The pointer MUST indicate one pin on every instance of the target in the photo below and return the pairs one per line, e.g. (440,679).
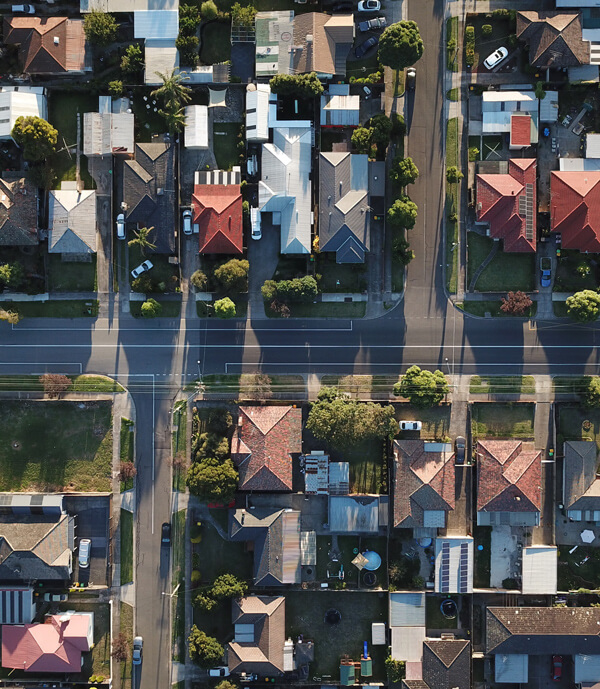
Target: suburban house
(17,605)
(407,625)
(423,486)
(581,485)
(21,101)
(55,646)
(18,213)
(263,445)
(195,134)
(574,199)
(132,5)
(454,564)
(506,202)
(356,514)
(106,132)
(513,634)
(339,108)
(554,39)
(158,28)
(48,45)
(276,537)
(509,483)
(500,113)
(322,42)
(257,112)
(217,212)
(446,664)
(285,187)
(37,539)
(259,635)
(72,222)
(149,192)
(322,477)
(344,211)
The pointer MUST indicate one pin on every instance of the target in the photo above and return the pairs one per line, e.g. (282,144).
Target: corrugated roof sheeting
(407,643)
(539,573)
(407,609)
(586,668)
(156,24)
(512,668)
(26,102)
(257,113)
(196,126)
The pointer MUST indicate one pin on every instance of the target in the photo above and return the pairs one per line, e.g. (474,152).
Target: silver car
(85,547)
(142,268)
(138,644)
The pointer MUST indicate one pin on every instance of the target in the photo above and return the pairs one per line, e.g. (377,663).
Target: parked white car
(410,425)
(142,268)
(138,645)
(85,547)
(369,6)
(121,226)
(187,222)
(23,9)
(222,671)
(496,57)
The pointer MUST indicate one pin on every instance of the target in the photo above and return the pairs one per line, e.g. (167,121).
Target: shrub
(219,421)
(473,154)
(486,29)
(196,577)
(208,10)
(115,88)
(453,174)
(225,308)
(151,308)
(199,280)
(55,384)
(127,471)
(470,44)
(143,284)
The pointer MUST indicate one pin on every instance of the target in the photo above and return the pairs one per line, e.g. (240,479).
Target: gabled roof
(72,222)
(344,216)
(21,101)
(575,209)
(322,42)
(18,213)
(259,623)
(423,481)
(446,665)
(509,476)
(554,38)
(47,45)
(520,130)
(149,192)
(542,631)
(263,444)
(581,487)
(217,210)
(339,108)
(508,203)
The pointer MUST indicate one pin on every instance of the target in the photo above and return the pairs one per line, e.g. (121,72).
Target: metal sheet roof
(354,514)
(586,668)
(17,101)
(539,573)
(131,5)
(592,145)
(156,24)
(196,126)
(512,668)
(454,565)
(257,113)
(407,609)
(407,643)
(549,107)
(16,606)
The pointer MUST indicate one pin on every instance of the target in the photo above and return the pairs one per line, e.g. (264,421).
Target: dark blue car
(363,48)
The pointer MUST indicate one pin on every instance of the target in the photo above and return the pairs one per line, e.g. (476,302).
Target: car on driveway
(187,221)
(373,24)
(23,9)
(410,425)
(557,665)
(545,271)
(85,546)
(222,671)
(55,597)
(121,226)
(369,6)
(138,645)
(166,534)
(142,268)
(364,48)
(411,78)
(496,57)
(460,445)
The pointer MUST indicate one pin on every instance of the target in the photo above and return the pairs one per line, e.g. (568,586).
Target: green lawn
(55,446)
(435,420)
(305,614)
(570,384)
(433,615)
(351,278)
(66,276)
(126,448)
(216,43)
(571,421)
(230,382)
(573,573)
(164,275)
(126,626)
(178,602)
(505,272)
(568,279)
(220,557)
(225,143)
(354,68)
(98,661)
(63,308)
(359,384)
(325,309)
(83,383)
(510,420)
(560,309)
(170,308)
(480,308)
(126,547)
(502,384)
(179,445)
(452,204)
(482,536)
(452,32)
(453,94)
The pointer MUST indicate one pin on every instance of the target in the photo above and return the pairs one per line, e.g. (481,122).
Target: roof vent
(56,40)
(309,38)
(160,191)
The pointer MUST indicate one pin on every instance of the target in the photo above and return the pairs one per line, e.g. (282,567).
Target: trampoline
(333,616)
(448,609)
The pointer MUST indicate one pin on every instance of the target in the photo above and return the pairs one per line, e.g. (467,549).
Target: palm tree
(175,119)
(142,239)
(172,92)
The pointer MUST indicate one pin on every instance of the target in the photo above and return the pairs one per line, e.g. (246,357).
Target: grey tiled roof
(72,222)
(18,213)
(581,487)
(447,664)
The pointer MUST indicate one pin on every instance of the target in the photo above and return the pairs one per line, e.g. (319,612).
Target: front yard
(55,446)
(215,43)
(163,276)
(485,44)
(505,272)
(576,272)
(336,277)
(510,420)
(68,276)
(435,420)
(577,423)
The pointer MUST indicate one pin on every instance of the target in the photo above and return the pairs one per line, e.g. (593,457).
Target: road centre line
(242,345)
(177,329)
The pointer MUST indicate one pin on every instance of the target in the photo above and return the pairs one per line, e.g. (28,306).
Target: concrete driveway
(263,255)
(92,522)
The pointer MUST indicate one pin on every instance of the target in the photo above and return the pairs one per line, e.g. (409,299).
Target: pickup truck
(545,271)
(377,23)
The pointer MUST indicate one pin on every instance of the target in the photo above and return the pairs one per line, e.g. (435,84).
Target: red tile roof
(575,209)
(262,446)
(501,203)
(520,130)
(509,476)
(217,209)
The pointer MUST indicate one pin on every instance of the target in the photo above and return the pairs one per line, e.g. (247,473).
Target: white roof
(539,573)
(592,145)
(156,24)
(128,6)
(407,609)
(286,188)
(576,164)
(339,108)
(161,57)
(512,668)
(17,101)
(454,565)
(196,126)
(106,131)
(378,633)
(577,3)
(503,96)
(407,643)
(497,107)
(257,112)
(586,668)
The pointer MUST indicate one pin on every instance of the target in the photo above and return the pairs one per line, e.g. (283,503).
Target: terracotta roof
(575,209)
(502,202)
(423,481)
(554,38)
(327,49)
(18,213)
(509,476)
(520,129)
(217,209)
(48,45)
(263,444)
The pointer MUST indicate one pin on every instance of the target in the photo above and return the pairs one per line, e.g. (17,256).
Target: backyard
(305,614)
(577,423)
(347,548)
(579,569)
(98,661)
(225,144)
(68,276)
(55,446)
(215,43)
(505,272)
(482,537)
(510,420)
(147,121)
(433,615)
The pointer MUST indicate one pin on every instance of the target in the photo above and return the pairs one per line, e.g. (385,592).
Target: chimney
(56,40)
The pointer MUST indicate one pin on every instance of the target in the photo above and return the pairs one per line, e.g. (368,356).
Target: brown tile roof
(332,38)
(423,481)
(575,209)
(509,476)
(264,440)
(554,38)
(18,213)
(520,129)
(47,45)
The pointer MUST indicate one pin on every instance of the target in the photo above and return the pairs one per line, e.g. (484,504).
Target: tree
(188,47)
(35,136)
(133,60)
(422,388)
(516,303)
(403,213)
(127,471)
(142,239)
(204,603)
(12,275)
(175,119)
(204,650)
(303,289)
(226,684)
(361,139)
(151,308)
(453,174)
(584,306)
(100,28)
(256,386)
(299,85)
(115,88)
(55,384)
(396,670)
(172,92)
(210,444)
(120,647)
(225,308)
(269,290)
(280,308)
(344,422)
(400,45)
(209,10)
(199,280)
(404,171)
(228,586)
(213,480)
(11,317)
(189,18)
(402,251)
(233,275)
(381,125)
(591,394)
(243,16)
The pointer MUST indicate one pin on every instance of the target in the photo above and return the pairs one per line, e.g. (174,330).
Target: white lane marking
(121,329)
(78,364)
(241,345)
